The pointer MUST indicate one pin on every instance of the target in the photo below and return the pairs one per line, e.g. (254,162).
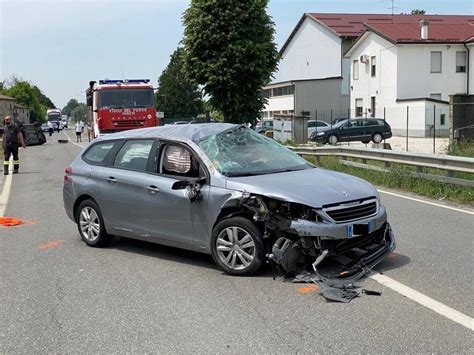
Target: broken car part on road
(339,254)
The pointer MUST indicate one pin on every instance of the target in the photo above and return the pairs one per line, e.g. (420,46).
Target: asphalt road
(58,295)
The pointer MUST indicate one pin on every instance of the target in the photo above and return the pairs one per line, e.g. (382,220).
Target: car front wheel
(332,139)
(377,138)
(91,225)
(237,246)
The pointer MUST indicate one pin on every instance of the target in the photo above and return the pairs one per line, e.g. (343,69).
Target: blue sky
(61,45)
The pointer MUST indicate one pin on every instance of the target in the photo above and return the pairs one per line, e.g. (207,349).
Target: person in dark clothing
(12,139)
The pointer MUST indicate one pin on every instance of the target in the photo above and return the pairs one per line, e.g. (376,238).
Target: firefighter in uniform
(12,139)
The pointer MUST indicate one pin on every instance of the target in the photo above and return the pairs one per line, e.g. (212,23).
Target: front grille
(129,123)
(344,213)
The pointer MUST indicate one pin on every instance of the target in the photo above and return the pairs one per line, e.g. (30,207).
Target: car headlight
(319,134)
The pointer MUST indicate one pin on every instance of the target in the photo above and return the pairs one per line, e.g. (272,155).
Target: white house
(313,76)
(405,72)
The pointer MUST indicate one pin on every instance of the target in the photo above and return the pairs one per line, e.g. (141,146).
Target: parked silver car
(225,190)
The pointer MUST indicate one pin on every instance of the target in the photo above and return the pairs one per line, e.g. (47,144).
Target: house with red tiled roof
(406,72)
(313,76)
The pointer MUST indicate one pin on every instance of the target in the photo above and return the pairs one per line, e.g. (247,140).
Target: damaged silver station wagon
(228,191)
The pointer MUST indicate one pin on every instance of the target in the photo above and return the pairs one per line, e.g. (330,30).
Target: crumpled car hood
(312,187)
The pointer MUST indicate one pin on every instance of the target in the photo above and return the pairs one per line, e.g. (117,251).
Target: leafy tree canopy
(178,96)
(415,12)
(231,53)
(79,113)
(70,106)
(24,93)
(43,99)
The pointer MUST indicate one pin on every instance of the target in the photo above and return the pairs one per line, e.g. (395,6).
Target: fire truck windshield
(126,98)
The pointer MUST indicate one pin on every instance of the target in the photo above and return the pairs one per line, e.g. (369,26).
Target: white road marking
(70,140)
(425,301)
(5,194)
(426,202)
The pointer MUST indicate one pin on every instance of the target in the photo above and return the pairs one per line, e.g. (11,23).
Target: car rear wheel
(91,225)
(237,246)
(332,139)
(377,138)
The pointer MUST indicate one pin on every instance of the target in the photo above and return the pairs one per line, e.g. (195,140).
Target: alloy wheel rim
(235,248)
(377,138)
(89,224)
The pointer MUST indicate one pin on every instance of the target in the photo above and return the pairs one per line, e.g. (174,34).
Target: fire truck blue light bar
(124,81)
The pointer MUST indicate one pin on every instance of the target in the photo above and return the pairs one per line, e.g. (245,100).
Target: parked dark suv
(357,129)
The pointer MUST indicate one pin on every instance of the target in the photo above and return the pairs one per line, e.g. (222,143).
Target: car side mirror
(193,188)
(180,185)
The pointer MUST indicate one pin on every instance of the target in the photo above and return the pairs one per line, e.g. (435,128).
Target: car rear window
(98,152)
(375,123)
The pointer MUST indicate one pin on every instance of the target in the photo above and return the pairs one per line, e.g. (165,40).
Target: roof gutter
(467,68)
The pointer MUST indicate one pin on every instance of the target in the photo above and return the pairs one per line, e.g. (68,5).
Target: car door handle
(111,180)
(153,189)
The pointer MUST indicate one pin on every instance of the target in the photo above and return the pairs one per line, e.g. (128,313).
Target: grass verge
(462,149)
(396,179)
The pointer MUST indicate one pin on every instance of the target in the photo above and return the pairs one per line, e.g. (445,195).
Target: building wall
(471,68)
(278,104)
(22,114)
(6,108)
(321,98)
(382,86)
(414,71)
(403,72)
(313,53)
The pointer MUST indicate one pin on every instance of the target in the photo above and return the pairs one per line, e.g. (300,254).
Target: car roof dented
(188,132)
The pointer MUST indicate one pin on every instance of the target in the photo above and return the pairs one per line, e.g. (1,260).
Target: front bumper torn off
(339,262)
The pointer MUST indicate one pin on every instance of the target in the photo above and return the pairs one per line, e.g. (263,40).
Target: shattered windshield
(242,152)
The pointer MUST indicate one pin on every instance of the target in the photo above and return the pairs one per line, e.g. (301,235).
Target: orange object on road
(51,244)
(10,221)
(308,289)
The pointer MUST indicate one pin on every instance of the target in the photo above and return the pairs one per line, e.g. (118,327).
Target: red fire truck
(117,105)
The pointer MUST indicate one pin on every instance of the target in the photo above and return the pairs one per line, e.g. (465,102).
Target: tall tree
(79,113)
(43,99)
(177,94)
(70,106)
(418,12)
(24,93)
(231,53)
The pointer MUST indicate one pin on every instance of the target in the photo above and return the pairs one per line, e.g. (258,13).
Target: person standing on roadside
(78,130)
(12,139)
(50,128)
(82,126)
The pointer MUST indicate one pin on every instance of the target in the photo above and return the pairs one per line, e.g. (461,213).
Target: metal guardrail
(421,161)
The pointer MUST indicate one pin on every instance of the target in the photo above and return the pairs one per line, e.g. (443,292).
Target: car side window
(178,160)
(134,155)
(353,124)
(98,152)
(311,124)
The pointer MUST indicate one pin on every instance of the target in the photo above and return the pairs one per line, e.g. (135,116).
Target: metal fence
(411,125)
